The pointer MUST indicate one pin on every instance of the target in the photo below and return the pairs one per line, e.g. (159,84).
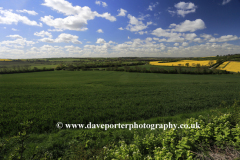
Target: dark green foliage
(35,69)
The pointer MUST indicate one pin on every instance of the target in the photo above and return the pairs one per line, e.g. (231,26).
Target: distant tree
(35,69)
(187,64)
(219,60)
(210,63)
(26,67)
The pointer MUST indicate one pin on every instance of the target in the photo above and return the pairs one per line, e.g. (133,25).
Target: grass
(58,143)
(106,97)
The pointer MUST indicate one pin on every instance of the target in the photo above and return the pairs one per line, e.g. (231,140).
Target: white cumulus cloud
(120,28)
(190,36)
(141,32)
(176,44)
(63,38)
(100,40)
(104,4)
(183,8)
(15,36)
(14,29)
(77,17)
(175,39)
(55,30)
(188,26)
(18,42)
(165,33)
(43,34)
(199,40)
(151,6)
(206,36)
(8,17)
(135,24)
(122,12)
(224,38)
(100,31)
(28,12)
(184,44)
(73,49)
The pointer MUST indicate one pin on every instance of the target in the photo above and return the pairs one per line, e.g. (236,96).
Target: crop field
(63,59)
(106,97)
(191,63)
(148,67)
(230,66)
(222,66)
(5,60)
(10,64)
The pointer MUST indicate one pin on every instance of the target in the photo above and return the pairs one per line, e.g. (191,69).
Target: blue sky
(118,28)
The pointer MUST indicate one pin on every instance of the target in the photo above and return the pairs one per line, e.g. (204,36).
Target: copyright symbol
(59,125)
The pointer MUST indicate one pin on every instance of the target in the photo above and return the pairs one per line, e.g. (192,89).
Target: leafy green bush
(180,144)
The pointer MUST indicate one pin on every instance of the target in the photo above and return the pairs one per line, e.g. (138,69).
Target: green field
(106,97)
(148,67)
(24,63)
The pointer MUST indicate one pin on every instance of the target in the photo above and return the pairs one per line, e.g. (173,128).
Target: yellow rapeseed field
(233,67)
(222,65)
(5,60)
(192,63)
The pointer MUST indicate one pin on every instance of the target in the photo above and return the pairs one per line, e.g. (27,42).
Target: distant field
(222,66)
(230,66)
(10,64)
(106,97)
(5,60)
(63,59)
(148,67)
(191,63)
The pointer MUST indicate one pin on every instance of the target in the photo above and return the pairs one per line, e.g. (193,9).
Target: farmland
(222,66)
(105,97)
(230,66)
(190,63)
(5,60)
